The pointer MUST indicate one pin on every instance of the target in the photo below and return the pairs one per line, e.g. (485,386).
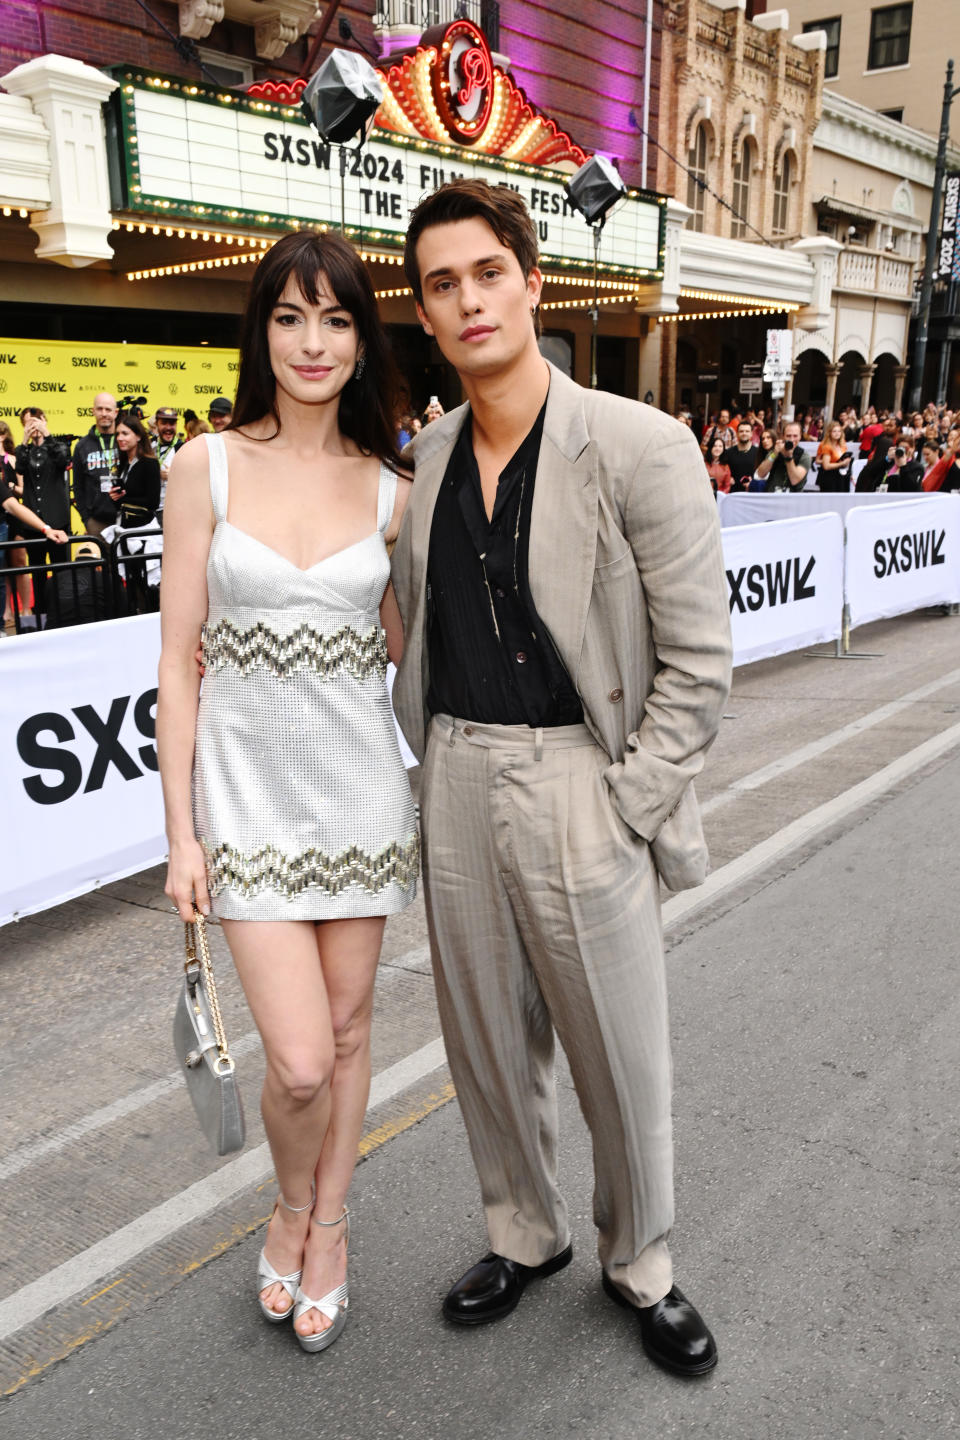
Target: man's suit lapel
(563,529)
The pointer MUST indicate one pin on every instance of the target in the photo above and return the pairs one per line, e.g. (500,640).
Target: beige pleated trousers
(544,916)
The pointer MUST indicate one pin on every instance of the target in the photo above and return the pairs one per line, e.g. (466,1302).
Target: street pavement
(814,1015)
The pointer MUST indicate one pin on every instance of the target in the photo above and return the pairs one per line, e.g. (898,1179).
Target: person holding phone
(137,490)
(834,461)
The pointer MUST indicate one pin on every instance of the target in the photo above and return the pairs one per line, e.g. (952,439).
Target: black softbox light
(595,188)
(343,97)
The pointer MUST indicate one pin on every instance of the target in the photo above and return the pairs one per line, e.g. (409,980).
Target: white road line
(115,1251)
(800,756)
(808,825)
(26,1155)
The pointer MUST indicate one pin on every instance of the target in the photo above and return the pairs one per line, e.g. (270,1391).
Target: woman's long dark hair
(132,421)
(368,404)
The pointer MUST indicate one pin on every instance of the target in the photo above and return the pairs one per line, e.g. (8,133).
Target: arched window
(741,190)
(781,194)
(697,165)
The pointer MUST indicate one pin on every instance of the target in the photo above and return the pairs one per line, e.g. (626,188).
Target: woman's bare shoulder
(191,462)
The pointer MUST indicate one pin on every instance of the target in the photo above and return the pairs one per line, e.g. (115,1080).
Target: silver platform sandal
(267,1276)
(333,1306)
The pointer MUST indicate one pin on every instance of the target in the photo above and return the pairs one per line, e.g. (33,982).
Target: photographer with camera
(904,472)
(787,467)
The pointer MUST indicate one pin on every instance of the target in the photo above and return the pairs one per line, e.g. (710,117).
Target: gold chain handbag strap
(198,954)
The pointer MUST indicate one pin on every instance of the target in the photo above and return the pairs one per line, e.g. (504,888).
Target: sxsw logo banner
(82,790)
(46,746)
(901,556)
(778,583)
(784,584)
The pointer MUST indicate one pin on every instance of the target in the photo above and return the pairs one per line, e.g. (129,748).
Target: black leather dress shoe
(492,1288)
(673,1332)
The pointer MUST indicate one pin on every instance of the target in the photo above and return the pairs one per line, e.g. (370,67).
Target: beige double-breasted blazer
(626,572)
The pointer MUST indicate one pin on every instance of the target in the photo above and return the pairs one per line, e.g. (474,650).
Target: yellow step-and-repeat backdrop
(63,376)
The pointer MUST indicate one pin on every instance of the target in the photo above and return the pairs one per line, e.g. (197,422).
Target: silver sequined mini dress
(300,797)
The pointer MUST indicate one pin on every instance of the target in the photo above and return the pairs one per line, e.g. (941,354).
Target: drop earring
(360,365)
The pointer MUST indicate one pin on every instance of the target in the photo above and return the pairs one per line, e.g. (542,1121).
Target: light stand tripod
(596,227)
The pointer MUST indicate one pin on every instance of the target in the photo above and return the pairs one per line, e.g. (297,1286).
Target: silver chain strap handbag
(201,1046)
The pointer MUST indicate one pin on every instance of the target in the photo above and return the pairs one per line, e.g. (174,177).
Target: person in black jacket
(906,473)
(137,491)
(42,461)
(95,464)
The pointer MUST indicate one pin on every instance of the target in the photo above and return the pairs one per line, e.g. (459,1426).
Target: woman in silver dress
(288,808)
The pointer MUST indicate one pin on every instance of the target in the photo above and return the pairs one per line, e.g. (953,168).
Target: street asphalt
(815,1023)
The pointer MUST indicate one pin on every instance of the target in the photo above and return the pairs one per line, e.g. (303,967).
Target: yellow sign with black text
(63,376)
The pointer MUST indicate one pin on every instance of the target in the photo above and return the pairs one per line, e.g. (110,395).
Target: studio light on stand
(594,190)
(341,101)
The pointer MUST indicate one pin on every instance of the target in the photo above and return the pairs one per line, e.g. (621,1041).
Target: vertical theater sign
(188,154)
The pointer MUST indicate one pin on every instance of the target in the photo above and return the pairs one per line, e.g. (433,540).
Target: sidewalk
(815,1027)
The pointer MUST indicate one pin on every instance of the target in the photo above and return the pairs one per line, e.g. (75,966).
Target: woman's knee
(351,1035)
(301,1079)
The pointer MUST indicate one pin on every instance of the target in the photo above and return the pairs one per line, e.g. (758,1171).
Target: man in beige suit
(566,663)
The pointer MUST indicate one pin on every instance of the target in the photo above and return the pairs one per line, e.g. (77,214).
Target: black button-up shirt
(491,659)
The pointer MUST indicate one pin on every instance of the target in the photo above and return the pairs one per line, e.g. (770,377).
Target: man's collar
(564,424)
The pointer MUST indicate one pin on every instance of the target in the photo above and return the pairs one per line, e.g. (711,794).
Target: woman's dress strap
(219,484)
(386,498)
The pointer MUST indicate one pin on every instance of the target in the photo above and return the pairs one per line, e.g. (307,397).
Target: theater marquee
(191,153)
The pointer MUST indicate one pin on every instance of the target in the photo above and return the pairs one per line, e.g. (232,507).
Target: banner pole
(842,650)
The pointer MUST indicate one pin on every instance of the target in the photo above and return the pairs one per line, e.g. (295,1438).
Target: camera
(900,453)
(787,446)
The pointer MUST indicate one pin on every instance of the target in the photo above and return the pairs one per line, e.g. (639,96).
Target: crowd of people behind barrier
(877,451)
(115,477)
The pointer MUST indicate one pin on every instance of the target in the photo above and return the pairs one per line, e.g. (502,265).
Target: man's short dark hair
(502,209)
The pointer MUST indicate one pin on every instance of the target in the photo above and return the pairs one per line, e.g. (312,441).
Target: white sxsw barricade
(742,508)
(902,556)
(785,584)
(81,800)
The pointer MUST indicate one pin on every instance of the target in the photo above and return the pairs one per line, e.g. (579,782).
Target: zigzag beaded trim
(269,869)
(361,655)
